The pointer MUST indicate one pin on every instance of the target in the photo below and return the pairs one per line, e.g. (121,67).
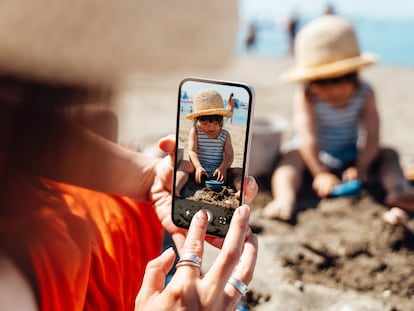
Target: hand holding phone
(213,135)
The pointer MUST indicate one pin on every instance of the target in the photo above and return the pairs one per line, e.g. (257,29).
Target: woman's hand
(350,173)
(160,193)
(324,182)
(188,289)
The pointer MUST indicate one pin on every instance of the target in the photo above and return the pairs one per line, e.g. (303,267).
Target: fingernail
(244,211)
(248,233)
(251,182)
(168,251)
(201,214)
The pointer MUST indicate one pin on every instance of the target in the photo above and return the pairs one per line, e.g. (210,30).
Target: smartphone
(212,150)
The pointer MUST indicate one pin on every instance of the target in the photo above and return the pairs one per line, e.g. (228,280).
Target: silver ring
(191,257)
(187,263)
(239,285)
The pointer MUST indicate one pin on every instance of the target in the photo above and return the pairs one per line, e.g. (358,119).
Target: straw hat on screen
(208,103)
(327,47)
(95,42)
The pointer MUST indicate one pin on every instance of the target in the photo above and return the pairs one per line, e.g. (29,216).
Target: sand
(339,255)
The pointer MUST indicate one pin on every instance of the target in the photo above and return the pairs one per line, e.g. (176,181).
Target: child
(209,144)
(332,109)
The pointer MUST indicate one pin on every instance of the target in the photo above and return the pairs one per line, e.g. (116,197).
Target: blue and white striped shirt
(338,128)
(210,150)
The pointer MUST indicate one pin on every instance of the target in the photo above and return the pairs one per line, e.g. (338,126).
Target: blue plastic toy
(214,184)
(348,188)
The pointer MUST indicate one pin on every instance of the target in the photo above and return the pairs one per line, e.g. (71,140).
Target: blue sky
(394,9)
(193,87)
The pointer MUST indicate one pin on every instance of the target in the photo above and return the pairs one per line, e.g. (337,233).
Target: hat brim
(209,112)
(331,70)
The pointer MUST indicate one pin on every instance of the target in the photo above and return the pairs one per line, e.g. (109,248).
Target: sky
(383,27)
(239,92)
(388,9)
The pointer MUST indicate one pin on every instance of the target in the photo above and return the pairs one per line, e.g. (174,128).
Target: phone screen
(212,150)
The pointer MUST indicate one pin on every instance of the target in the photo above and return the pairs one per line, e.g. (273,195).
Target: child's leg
(398,190)
(285,183)
(397,216)
(185,168)
(234,177)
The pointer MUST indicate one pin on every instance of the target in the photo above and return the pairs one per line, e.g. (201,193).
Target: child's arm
(221,172)
(371,123)
(304,121)
(193,155)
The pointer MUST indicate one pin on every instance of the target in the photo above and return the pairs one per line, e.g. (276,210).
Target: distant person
(209,144)
(336,121)
(251,36)
(293,25)
(329,10)
(230,107)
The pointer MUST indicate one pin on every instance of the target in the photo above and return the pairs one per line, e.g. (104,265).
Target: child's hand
(350,173)
(324,182)
(220,174)
(199,172)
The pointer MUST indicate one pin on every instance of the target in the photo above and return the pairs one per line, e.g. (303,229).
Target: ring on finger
(190,257)
(239,285)
(187,263)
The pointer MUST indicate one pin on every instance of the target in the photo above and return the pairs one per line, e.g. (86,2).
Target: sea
(385,28)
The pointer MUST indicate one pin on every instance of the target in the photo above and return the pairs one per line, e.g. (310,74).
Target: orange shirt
(86,250)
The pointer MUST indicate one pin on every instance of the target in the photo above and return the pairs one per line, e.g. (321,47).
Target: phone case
(200,101)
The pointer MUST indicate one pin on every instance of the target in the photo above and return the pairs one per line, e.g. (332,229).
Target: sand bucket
(265,145)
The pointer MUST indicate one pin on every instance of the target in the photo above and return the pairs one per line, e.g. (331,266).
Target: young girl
(209,144)
(336,121)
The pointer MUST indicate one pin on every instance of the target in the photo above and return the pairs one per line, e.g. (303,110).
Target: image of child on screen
(210,150)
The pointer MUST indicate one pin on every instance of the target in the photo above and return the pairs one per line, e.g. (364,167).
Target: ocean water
(380,29)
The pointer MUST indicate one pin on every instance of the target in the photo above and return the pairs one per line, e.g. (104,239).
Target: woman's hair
(17,92)
(38,114)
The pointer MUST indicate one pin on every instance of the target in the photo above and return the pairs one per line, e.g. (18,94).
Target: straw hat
(207,103)
(95,42)
(327,47)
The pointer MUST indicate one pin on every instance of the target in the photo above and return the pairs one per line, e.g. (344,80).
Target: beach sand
(339,255)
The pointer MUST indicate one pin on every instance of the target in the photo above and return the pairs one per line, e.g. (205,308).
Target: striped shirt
(210,150)
(338,129)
